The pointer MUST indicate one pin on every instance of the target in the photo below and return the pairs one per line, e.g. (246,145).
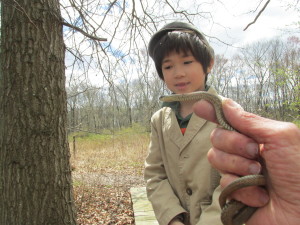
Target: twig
(260,12)
(83,32)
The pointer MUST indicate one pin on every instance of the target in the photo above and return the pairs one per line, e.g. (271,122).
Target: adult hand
(236,154)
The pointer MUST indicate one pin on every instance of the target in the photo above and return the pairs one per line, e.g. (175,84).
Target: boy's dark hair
(180,37)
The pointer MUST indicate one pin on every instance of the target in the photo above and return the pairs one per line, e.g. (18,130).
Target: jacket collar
(173,129)
(174,132)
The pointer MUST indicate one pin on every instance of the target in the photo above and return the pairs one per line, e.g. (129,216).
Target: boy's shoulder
(161,113)
(162,110)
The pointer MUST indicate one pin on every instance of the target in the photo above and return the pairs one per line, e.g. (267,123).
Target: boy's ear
(212,61)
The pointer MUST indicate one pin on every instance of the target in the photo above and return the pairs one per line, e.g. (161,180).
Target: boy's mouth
(182,84)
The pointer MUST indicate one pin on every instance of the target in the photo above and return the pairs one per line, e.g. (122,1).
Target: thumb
(260,129)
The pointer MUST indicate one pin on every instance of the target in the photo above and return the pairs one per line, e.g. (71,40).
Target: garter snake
(233,212)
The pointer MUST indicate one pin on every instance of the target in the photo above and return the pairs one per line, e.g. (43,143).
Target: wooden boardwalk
(143,212)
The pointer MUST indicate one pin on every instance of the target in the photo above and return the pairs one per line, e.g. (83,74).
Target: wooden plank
(143,212)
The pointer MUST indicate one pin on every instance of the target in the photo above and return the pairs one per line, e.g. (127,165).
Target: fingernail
(264,198)
(252,149)
(254,169)
(232,103)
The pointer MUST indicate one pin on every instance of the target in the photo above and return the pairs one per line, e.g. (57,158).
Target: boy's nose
(179,72)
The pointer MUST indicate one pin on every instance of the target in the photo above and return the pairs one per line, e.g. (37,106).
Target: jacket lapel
(194,126)
(174,132)
(172,128)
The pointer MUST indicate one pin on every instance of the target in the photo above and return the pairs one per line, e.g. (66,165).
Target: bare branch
(83,32)
(260,12)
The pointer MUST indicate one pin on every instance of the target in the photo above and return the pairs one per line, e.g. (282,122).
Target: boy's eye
(188,62)
(167,67)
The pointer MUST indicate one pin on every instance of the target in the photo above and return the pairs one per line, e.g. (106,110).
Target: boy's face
(183,73)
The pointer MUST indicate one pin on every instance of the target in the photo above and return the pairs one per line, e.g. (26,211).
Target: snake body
(233,212)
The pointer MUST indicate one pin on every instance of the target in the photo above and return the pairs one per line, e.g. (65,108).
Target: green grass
(108,135)
(297,122)
(122,150)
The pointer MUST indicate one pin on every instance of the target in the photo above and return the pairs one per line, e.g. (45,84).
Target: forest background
(113,84)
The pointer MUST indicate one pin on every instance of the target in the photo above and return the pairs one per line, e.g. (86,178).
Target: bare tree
(35,173)
(284,70)
(256,59)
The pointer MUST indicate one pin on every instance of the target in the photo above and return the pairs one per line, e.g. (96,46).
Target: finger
(254,196)
(231,163)
(205,110)
(248,123)
(235,143)
(261,129)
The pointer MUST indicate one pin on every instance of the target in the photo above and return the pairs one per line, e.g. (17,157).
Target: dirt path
(111,179)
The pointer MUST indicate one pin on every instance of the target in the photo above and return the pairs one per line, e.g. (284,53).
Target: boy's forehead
(180,53)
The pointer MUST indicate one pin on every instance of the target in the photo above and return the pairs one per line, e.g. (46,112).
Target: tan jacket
(177,173)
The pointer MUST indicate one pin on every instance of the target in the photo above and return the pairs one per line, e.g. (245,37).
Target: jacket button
(189,191)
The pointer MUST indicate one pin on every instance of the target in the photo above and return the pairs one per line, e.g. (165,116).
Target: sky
(229,18)
(233,16)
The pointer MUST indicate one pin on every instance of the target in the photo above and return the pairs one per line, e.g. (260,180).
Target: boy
(181,185)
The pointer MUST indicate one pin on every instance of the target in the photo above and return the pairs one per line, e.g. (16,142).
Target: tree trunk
(35,185)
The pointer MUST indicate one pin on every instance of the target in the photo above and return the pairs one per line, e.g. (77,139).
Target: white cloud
(232,16)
